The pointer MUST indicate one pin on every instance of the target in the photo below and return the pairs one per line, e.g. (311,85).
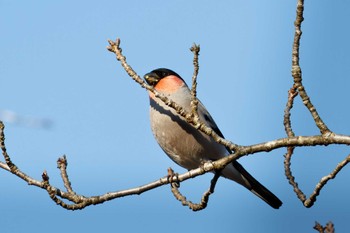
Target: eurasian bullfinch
(184,144)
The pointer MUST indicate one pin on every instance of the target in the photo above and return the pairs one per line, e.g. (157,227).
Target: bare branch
(4,166)
(289,175)
(205,198)
(79,201)
(318,227)
(296,70)
(11,167)
(329,228)
(311,200)
(194,101)
(299,88)
(292,93)
(72,201)
(62,165)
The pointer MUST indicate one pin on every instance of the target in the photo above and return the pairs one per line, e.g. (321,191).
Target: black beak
(151,78)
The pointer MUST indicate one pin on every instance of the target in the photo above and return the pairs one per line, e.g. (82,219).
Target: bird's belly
(184,144)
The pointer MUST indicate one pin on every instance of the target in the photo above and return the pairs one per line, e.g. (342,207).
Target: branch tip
(195,48)
(45,176)
(62,161)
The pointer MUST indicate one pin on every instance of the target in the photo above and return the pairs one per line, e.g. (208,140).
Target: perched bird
(184,144)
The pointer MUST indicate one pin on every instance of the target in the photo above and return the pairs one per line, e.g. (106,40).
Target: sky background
(54,66)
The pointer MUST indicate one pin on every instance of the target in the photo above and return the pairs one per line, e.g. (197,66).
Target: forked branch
(298,88)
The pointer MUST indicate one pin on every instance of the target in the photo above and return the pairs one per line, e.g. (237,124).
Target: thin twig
(194,101)
(312,199)
(329,228)
(292,93)
(193,206)
(12,167)
(318,227)
(309,202)
(289,175)
(62,165)
(3,147)
(297,74)
(4,166)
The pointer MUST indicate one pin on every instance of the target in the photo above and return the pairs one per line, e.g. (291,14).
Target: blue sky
(54,65)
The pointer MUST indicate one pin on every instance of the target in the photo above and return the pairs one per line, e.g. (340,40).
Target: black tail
(257,188)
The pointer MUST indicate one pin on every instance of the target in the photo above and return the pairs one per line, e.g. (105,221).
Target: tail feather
(257,188)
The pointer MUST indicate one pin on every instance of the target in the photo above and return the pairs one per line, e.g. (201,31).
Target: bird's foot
(173,178)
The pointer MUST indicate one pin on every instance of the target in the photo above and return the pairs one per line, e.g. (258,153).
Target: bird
(183,143)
